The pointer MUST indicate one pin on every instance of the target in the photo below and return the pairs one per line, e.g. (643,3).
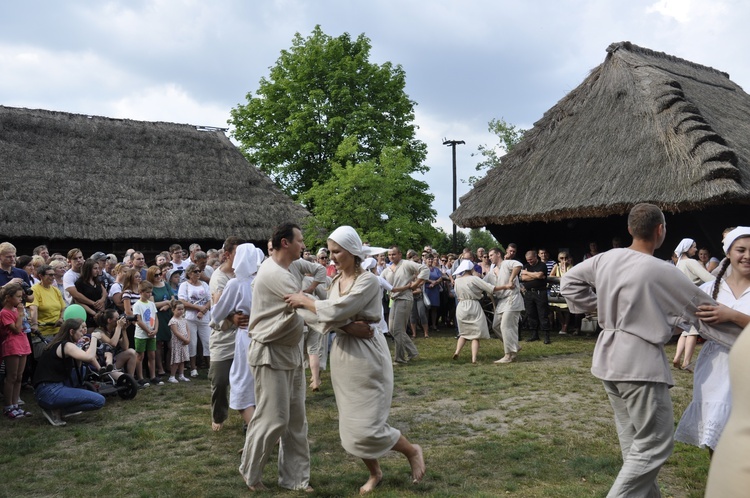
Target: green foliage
(481,238)
(508,136)
(321,91)
(377,197)
(444,243)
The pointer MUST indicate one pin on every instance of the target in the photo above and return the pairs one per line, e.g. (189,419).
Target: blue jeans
(53,396)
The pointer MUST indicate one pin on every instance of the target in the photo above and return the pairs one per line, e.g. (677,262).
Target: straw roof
(643,127)
(72,176)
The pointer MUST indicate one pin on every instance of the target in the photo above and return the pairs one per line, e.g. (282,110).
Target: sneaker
(71,414)
(12,413)
(562,332)
(143,383)
(21,402)
(53,417)
(157,381)
(172,380)
(194,373)
(183,378)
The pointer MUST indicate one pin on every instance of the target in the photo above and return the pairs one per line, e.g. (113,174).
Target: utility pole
(452,144)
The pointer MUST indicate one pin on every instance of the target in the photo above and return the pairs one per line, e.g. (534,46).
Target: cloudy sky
(189,61)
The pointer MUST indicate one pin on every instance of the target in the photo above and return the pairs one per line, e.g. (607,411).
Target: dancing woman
(361,369)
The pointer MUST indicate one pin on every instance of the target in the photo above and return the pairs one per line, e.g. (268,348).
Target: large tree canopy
(321,91)
(378,197)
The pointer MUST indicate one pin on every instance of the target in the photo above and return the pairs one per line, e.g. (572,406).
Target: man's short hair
(200,255)
(498,250)
(72,253)
(174,248)
(38,250)
(643,220)
(283,231)
(231,243)
(193,247)
(513,245)
(7,247)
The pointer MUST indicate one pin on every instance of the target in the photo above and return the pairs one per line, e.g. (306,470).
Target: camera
(131,318)
(26,288)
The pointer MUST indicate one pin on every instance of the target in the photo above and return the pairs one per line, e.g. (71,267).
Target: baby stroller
(110,382)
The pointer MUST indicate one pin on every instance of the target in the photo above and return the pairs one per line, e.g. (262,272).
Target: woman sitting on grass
(361,368)
(59,368)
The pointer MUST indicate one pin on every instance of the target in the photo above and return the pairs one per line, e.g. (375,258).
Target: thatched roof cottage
(644,126)
(108,184)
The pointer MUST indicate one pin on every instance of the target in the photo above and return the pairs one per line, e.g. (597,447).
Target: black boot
(546,337)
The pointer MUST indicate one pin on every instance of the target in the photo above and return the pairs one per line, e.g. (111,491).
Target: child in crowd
(146,326)
(180,341)
(103,353)
(15,346)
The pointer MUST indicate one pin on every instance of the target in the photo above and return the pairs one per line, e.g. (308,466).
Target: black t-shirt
(52,368)
(540,266)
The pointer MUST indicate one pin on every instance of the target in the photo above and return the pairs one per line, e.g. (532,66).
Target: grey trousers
(398,321)
(218,374)
(645,421)
(505,325)
(279,413)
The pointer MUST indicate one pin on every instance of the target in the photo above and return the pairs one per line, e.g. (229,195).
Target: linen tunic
(636,319)
(509,299)
(361,369)
(472,323)
(402,274)
(275,327)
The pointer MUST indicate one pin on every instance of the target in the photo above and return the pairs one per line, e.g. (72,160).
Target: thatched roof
(643,127)
(72,176)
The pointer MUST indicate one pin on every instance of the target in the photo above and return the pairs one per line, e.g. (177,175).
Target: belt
(537,290)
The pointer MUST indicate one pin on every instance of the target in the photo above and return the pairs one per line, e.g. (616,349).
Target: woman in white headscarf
(705,417)
(361,369)
(694,270)
(472,324)
(237,298)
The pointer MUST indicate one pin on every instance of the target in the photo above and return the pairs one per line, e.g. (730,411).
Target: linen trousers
(397,323)
(218,374)
(279,413)
(505,325)
(202,330)
(644,420)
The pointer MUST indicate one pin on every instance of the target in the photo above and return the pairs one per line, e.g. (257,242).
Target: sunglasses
(157,274)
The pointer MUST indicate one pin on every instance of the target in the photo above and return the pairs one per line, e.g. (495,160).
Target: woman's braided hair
(717,282)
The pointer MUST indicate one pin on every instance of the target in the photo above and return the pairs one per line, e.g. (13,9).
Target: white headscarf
(245,261)
(349,240)
(734,235)
(465,266)
(683,247)
(369,264)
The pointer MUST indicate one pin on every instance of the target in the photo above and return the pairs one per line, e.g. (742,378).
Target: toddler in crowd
(180,341)
(15,347)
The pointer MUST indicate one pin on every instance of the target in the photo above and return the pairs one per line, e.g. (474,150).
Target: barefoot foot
(257,487)
(372,483)
(216,427)
(417,465)
(315,387)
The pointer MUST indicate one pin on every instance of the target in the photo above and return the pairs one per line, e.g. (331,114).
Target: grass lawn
(541,427)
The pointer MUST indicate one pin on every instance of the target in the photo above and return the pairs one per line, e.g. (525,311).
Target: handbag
(588,324)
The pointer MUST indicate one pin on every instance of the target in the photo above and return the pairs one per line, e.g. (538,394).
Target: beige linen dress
(471,321)
(361,369)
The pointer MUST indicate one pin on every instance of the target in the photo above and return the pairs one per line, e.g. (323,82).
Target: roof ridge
(633,48)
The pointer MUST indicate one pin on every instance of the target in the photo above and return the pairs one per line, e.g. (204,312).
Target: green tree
(320,91)
(479,237)
(444,243)
(377,197)
(508,136)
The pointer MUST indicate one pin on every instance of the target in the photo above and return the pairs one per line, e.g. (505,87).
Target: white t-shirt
(69,280)
(198,295)
(147,312)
